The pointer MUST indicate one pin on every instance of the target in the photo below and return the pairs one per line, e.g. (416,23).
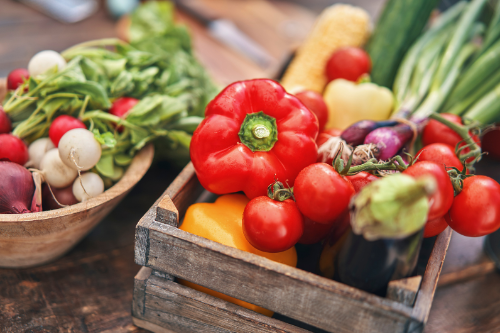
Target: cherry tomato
(17,77)
(441,154)
(272,226)
(314,231)
(436,226)
(322,193)
(361,179)
(348,63)
(316,104)
(5,125)
(440,202)
(61,125)
(476,209)
(436,132)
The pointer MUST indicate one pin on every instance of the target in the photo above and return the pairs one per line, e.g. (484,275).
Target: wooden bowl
(37,238)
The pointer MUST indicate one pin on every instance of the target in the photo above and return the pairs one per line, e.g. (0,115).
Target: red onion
(16,188)
(63,195)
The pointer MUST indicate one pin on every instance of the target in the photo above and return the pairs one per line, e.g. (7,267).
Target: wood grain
(404,290)
(37,238)
(181,309)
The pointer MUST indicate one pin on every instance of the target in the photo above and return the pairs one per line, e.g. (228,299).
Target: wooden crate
(162,305)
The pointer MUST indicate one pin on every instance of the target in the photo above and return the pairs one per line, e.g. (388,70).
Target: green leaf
(98,97)
(114,67)
(122,85)
(107,168)
(151,18)
(123,159)
(107,139)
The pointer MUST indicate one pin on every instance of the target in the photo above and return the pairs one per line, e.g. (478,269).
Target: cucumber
(400,24)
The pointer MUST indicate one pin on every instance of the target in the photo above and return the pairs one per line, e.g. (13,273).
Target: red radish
(13,149)
(61,125)
(63,195)
(5,125)
(16,188)
(122,106)
(316,104)
(348,63)
(16,78)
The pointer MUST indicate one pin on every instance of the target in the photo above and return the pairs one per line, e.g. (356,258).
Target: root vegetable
(16,78)
(61,125)
(63,195)
(56,173)
(92,186)
(13,149)
(45,60)
(16,188)
(5,125)
(37,150)
(79,149)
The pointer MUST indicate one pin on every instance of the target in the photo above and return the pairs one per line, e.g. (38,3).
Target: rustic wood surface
(90,289)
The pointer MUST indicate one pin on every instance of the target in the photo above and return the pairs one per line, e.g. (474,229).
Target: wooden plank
(304,296)
(404,290)
(166,212)
(429,282)
(182,309)
(467,273)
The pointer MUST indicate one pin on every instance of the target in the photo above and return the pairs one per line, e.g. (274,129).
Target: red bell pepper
(253,133)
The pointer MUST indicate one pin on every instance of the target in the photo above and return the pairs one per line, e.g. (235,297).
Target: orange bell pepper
(222,222)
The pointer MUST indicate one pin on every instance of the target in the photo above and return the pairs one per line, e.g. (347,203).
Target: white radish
(45,60)
(79,149)
(37,150)
(55,172)
(92,186)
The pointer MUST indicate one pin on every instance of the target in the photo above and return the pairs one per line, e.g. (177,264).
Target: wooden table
(90,289)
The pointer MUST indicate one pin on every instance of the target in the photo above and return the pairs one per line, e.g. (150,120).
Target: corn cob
(338,26)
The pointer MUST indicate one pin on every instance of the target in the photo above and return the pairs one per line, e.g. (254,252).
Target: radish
(61,125)
(55,172)
(16,78)
(92,184)
(16,188)
(64,196)
(5,125)
(13,149)
(37,150)
(121,107)
(79,149)
(45,60)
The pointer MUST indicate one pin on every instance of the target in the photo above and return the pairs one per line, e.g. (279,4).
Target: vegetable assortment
(85,112)
(396,170)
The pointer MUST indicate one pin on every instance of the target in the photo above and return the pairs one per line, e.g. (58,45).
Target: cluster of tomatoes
(321,195)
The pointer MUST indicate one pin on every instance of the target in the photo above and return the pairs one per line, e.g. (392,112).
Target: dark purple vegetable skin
(371,265)
(16,188)
(355,134)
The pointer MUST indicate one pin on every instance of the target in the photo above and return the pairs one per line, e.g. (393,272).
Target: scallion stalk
(487,109)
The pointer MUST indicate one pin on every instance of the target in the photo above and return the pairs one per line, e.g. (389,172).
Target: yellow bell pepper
(349,102)
(222,222)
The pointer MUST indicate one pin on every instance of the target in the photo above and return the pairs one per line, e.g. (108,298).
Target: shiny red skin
(348,63)
(13,149)
(436,132)
(476,209)
(16,78)
(315,102)
(440,153)
(321,193)
(361,179)
(224,165)
(436,226)
(61,125)
(314,232)
(272,226)
(121,107)
(441,201)
(5,125)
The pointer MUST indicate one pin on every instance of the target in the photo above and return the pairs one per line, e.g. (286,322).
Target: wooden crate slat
(316,301)
(182,309)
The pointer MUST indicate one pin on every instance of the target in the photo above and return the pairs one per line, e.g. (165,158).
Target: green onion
(487,109)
